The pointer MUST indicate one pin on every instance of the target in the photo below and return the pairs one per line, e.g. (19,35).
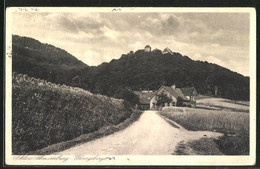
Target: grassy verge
(87,137)
(234,125)
(169,121)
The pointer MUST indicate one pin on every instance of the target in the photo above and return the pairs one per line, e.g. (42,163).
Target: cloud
(110,33)
(94,37)
(215,60)
(218,28)
(68,24)
(93,58)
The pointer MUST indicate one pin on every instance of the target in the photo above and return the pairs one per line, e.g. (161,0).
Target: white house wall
(174,99)
(154,99)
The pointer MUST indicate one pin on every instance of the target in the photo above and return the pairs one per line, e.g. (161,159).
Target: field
(223,104)
(44,113)
(220,115)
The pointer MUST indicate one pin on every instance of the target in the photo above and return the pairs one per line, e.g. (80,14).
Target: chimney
(173,86)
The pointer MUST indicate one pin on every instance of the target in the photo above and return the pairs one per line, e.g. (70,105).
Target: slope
(143,70)
(44,61)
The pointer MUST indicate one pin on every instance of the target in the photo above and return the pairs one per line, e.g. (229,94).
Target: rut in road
(150,135)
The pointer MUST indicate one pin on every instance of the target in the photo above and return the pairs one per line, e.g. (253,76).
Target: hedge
(44,113)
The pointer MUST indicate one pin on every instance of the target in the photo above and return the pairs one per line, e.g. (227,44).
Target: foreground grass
(203,146)
(88,137)
(234,125)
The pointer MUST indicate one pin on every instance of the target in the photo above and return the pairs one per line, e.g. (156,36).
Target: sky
(96,37)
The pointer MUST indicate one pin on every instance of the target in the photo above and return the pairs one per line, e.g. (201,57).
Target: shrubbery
(162,99)
(179,101)
(44,113)
(127,95)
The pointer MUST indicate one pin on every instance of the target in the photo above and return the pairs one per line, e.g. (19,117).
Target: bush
(127,95)
(44,113)
(162,99)
(179,101)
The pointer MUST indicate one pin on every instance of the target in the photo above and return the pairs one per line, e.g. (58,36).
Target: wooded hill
(134,71)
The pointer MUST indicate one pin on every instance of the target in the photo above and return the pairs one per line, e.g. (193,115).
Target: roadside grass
(169,121)
(88,137)
(234,125)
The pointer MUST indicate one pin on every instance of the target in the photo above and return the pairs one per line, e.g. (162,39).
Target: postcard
(130,86)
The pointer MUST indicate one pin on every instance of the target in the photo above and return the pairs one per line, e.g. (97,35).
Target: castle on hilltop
(148,48)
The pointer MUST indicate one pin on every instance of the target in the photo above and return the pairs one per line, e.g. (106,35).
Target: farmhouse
(171,92)
(147,48)
(179,97)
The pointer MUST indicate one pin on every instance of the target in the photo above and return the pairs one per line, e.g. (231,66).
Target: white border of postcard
(126,159)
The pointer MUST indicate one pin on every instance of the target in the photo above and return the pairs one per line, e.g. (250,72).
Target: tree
(163,98)
(179,101)
(76,82)
(127,95)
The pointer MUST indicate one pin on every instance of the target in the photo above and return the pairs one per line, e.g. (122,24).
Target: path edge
(104,131)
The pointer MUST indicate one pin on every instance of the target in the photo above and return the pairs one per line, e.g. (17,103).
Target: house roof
(167,50)
(137,93)
(174,92)
(144,98)
(187,91)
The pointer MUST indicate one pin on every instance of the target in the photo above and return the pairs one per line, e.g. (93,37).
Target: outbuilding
(190,93)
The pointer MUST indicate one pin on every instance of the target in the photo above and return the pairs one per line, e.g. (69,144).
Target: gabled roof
(137,93)
(167,50)
(174,92)
(144,98)
(187,91)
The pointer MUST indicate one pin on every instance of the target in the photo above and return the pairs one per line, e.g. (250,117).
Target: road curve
(150,135)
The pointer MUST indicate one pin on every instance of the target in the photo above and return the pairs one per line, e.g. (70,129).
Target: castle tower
(147,48)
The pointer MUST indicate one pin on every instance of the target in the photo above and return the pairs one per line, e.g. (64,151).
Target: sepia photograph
(130,86)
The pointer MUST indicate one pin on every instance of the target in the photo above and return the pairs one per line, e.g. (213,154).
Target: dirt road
(150,135)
